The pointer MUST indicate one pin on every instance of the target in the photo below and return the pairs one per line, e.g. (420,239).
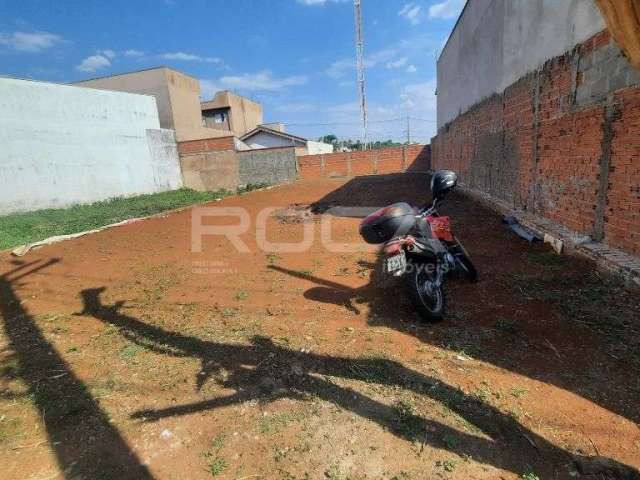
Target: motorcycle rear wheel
(426,297)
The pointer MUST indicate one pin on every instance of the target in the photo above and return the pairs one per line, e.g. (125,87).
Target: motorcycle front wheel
(425,295)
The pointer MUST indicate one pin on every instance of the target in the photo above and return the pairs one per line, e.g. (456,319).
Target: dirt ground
(126,355)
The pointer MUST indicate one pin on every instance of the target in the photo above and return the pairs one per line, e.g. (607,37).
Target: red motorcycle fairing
(441,228)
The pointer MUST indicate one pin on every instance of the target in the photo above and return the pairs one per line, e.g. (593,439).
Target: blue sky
(294,56)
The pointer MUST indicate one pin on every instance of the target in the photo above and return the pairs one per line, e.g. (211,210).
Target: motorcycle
(420,247)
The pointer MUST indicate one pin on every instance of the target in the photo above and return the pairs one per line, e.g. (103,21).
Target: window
(219,117)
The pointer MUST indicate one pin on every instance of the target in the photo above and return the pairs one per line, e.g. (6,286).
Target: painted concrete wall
(497,42)
(164,159)
(146,82)
(243,115)
(177,96)
(210,171)
(228,169)
(270,166)
(316,148)
(184,92)
(63,145)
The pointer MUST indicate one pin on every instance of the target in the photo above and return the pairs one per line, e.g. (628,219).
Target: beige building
(177,96)
(228,111)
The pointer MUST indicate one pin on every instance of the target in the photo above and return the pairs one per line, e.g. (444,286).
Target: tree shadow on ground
(266,371)
(85,443)
(528,312)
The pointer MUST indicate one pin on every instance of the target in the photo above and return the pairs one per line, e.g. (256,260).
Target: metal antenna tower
(360,69)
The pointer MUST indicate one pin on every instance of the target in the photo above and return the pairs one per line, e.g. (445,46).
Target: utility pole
(360,69)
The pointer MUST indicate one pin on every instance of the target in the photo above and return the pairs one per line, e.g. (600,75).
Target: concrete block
(599,88)
(586,62)
(607,67)
(583,96)
(633,76)
(621,67)
(555,243)
(605,53)
(618,81)
(270,166)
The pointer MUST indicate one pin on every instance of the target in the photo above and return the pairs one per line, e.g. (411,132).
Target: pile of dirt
(294,213)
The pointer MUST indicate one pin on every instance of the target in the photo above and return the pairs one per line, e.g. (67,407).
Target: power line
(329,124)
(423,120)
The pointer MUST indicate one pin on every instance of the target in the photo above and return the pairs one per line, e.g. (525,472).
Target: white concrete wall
(165,162)
(496,42)
(62,145)
(317,148)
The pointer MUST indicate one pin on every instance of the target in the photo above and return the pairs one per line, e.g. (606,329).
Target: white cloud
(133,53)
(338,68)
(416,45)
(446,9)
(420,98)
(411,69)
(32,42)
(381,56)
(189,57)
(344,108)
(411,12)
(110,54)
(261,81)
(299,107)
(93,63)
(401,62)
(350,112)
(208,89)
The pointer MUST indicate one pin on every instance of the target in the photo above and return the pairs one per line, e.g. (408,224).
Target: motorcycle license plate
(396,264)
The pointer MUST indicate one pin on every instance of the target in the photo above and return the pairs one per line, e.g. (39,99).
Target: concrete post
(322,165)
(611,114)
(404,158)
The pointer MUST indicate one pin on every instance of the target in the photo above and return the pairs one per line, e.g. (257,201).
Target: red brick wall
(412,158)
(548,146)
(622,213)
(206,145)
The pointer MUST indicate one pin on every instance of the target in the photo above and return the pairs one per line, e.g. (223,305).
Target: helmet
(442,182)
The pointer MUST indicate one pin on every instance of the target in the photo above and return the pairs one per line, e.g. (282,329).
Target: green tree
(332,139)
